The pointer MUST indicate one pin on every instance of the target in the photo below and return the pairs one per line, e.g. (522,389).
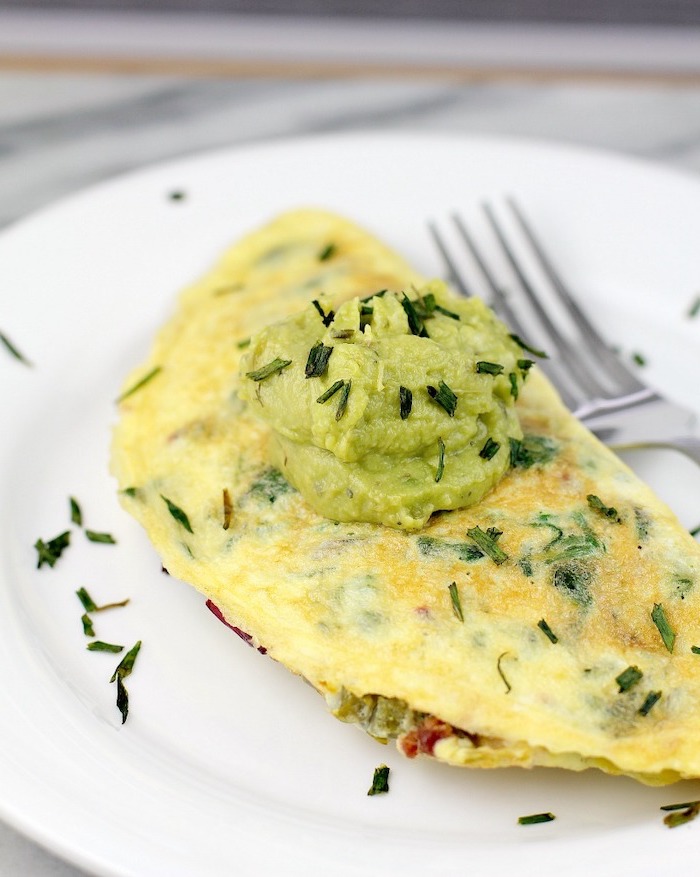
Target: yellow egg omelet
(551,623)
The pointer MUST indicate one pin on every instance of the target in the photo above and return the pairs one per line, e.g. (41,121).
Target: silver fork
(593,382)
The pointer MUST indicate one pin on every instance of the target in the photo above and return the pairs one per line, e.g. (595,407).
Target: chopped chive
(456,602)
(531,450)
(536,818)
(317,362)
(516,447)
(366,310)
(131,492)
(343,404)
(683,806)
(126,665)
(658,616)
(572,578)
(598,505)
(88,629)
(487,543)
(425,305)
(441,461)
(271,368)
(331,391)
(490,449)
(379,294)
(76,515)
(694,309)
(137,386)
(681,816)
(343,334)
(488,368)
(547,631)
(99,646)
(228,508)
(13,350)
(89,604)
(695,650)
(695,531)
(326,253)
(525,365)
(405,402)
(178,514)
(380,781)
(104,538)
(446,313)
(525,346)
(651,699)
(326,318)
(513,378)
(243,343)
(444,396)
(502,674)
(638,359)
(49,552)
(115,605)
(525,565)
(122,699)
(177,195)
(415,324)
(628,678)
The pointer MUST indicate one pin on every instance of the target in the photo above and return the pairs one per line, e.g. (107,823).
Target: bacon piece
(421,740)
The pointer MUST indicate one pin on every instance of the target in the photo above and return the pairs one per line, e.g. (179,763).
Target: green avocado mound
(394,407)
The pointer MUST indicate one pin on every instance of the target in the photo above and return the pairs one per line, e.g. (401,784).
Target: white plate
(227,763)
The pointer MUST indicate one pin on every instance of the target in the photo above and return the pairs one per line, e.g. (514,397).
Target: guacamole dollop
(393,407)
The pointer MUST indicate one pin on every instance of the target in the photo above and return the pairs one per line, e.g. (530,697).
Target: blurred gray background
(629,12)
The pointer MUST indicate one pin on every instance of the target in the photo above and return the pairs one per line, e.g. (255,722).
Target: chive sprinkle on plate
(13,350)
(380,780)
(679,814)
(536,818)
(103,538)
(76,515)
(49,552)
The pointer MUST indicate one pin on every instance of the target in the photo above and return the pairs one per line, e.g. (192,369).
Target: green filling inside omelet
(390,409)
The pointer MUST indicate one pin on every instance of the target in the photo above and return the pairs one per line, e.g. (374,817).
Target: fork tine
(569,389)
(569,356)
(657,422)
(614,368)
(502,306)
(456,276)
(499,297)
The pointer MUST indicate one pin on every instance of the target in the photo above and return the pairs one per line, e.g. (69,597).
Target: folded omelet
(555,622)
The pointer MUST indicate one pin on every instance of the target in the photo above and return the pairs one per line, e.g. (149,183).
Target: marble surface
(60,133)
